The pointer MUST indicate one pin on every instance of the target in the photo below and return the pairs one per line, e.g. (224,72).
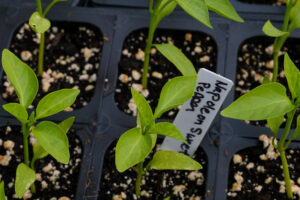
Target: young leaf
(295,16)
(272,31)
(292,75)
(223,8)
(38,152)
(174,55)
(197,9)
(38,23)
(168,129)
(132,148)
(53,139)
(275,123)
(153,139)
(172,160)
(2,191)
(67,124)
(296,134)
(17,110)
(55,102)
(264,102)
(24,179)
(165,8)
(175,92)
(21,76)
(144,109)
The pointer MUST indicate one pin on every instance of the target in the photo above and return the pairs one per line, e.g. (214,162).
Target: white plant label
(196,115)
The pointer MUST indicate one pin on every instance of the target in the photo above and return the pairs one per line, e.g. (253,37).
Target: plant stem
(286,174)
(280,147)
(32,187)
(25,131)
(140,172)
(278,43)
(147,51)
(41,55)
(39,7)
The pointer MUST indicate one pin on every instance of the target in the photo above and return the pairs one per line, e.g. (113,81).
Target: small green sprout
(270,102)
(198,9)
(290,23)
(40,25)
(135,145)
(51,137)
(2,192)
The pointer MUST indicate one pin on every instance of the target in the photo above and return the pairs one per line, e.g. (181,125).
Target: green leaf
(17,110)
(197,9)
(296,134)
(25,177)
(67,124)
(55,102)
(275,123)
(266,80)
(53,139)
(295,16)
(224,8)
(174,55)
(21,76)
(264,102)
(144,109)
(132,148)
(153,139)
(2,191)
(168,129)
(174,93)
(292,75)
(171,160)
(38,152)
(272,31)
(164,8)
(167,198)
(38,23)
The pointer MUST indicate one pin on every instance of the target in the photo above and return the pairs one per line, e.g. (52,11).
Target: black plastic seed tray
(105,23)
(229,145)
(85,134)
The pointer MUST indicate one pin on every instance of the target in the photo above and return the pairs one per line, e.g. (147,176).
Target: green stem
(50,6)
(25,131)
(41,55)
(140,172)
(286,129)
(147,51)
(32,187)
(278,43)
(286,174)
(39,7)
(151,6)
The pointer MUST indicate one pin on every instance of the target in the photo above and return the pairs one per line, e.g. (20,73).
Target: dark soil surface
(268,2)
(72,57)
(54,180)
(156,184)
(255,60)
(200,48)
(259,176)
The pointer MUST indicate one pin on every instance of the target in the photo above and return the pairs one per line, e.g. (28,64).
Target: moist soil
(200,48)
(72,57)
(262,175)
(268,2)
(53,181)
(255,60)
(156,184)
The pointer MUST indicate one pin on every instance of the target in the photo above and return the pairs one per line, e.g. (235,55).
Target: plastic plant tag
(197,114)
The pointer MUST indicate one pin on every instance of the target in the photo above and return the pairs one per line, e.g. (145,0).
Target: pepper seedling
(51,137)
(198,9)
(40,24)
(290,23)
(135,145)
(270,102)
